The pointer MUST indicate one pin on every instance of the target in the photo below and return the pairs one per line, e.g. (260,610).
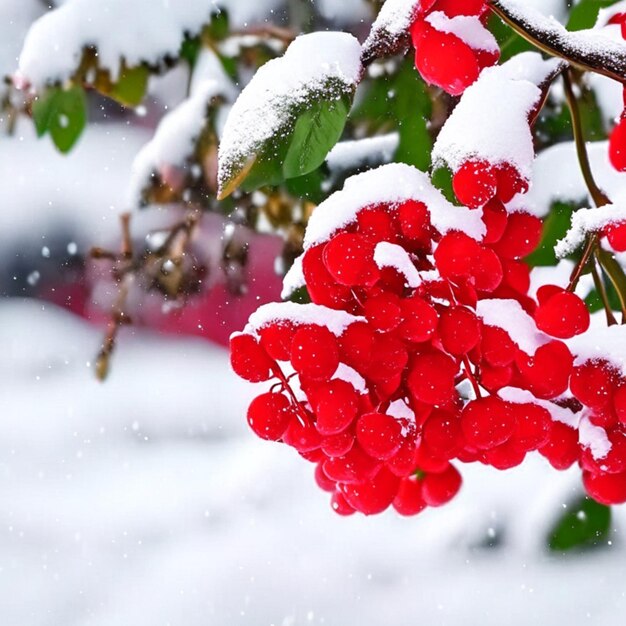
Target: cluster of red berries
(617,141)
(449,53)
(392,377)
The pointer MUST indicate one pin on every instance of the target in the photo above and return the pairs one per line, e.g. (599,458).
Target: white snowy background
(146,501)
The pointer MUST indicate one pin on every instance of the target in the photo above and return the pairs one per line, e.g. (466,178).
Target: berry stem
(601,289)
(616,275)
(284,381)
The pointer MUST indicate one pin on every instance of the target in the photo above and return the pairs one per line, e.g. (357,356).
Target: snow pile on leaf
(325,63)
(139,31)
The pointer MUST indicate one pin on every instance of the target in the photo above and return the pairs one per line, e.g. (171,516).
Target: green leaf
(131,85)
(586,524)
(63,114)
(585,13)
(316,131)
(555,226)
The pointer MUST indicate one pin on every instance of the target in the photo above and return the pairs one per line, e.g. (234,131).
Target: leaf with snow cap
(291,113)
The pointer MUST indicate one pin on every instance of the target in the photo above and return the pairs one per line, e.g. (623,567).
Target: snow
(585,221)
(392,185)
(511,317)
(391,25)
(480,127)
(600,342)
(265,106)
(355,153)
(123,506)
(175,139)
(277,312)
(594,438)
(54,45)
(294,279)
(557,177)
(557,413)
(467,28)
(592,47)
(349,375)
(396,257)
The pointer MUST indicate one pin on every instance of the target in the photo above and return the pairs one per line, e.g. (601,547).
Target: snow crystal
(335,321)
(54,45)
(467,28)
(391,255)
(557,413)
(585,221)
(263,107)
(601,342)
(480,127)
(511,317)
(391,26)
(594,438)
(390,184)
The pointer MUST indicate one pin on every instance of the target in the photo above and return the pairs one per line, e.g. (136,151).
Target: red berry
(431,378)
(442,434)
(340,505)
(375,495)
(486,271)
(505,456)
(349,259)
(376,224)
(456,255)
(495,218)
(390,359)
(532,426)
(619,403)
(562,449)
(547,372)
(459,330)
(379,435)
(521,236)
(617,146)
(409,500)
(564,315)
(248,359)
(420,320)
(616,234)
(323,482)
(494,378)
(439,489)
(607,489)
(355,466)
(487,422)
(314,353)
(276,339)
(335,405)
(414,219)
(356,346)
(339,444)
(474,183)
(497,347)
(592,383)
(269,415)
(510,182)
(383,311)
(302,435)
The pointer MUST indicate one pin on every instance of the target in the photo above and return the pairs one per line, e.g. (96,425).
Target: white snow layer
(468,28)
(147,501)
(137,31)
(396,257)
(586,221)
(511,317)
(264,106)
(594,438)
(300,314)
(392,23)
(601,343)
(392,185)
(482,127)
(557,413)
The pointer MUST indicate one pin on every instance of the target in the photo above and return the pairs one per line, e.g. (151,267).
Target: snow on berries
(422,350)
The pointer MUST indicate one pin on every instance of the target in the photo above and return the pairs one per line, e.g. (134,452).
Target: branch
(587,50)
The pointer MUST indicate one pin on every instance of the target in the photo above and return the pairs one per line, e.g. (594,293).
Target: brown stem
(601,289)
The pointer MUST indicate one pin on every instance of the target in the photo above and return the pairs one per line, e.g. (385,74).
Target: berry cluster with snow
(424,348)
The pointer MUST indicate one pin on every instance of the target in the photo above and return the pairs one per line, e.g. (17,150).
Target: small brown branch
(598,281)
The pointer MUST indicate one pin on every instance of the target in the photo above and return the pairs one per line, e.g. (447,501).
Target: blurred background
(144,500)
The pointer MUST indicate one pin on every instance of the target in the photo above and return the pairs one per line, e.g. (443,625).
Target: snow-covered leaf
(264,125)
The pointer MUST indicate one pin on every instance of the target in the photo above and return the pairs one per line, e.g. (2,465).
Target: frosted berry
(592,383)
(349,258)
(248,359)
(379,435)
(314,353)
(269,415)
(431,378)
(474,183)
(335,405)
(487,422)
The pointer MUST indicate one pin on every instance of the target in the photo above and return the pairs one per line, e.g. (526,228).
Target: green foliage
(63,114)
(316,131)
(584,525)
(442,179)
(131,85)
(555,226)
(401,102)
(585,13)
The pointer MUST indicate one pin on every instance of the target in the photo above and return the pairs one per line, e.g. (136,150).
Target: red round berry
(409,500)
(442,434)
(349,259)
(301,434)
(269,415)
(248,359)
(459,330)
(420,320)
(562,449)
(487,422)
(617,146)
(314,353)
(335,405)
(414,221)
(532,426)
(521,236)
(373,496)
(379,435)
(616,234)
(439,489)
(474,183)
(607,489)
(431,378)
(564,315)
(340,505)
(592,383)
